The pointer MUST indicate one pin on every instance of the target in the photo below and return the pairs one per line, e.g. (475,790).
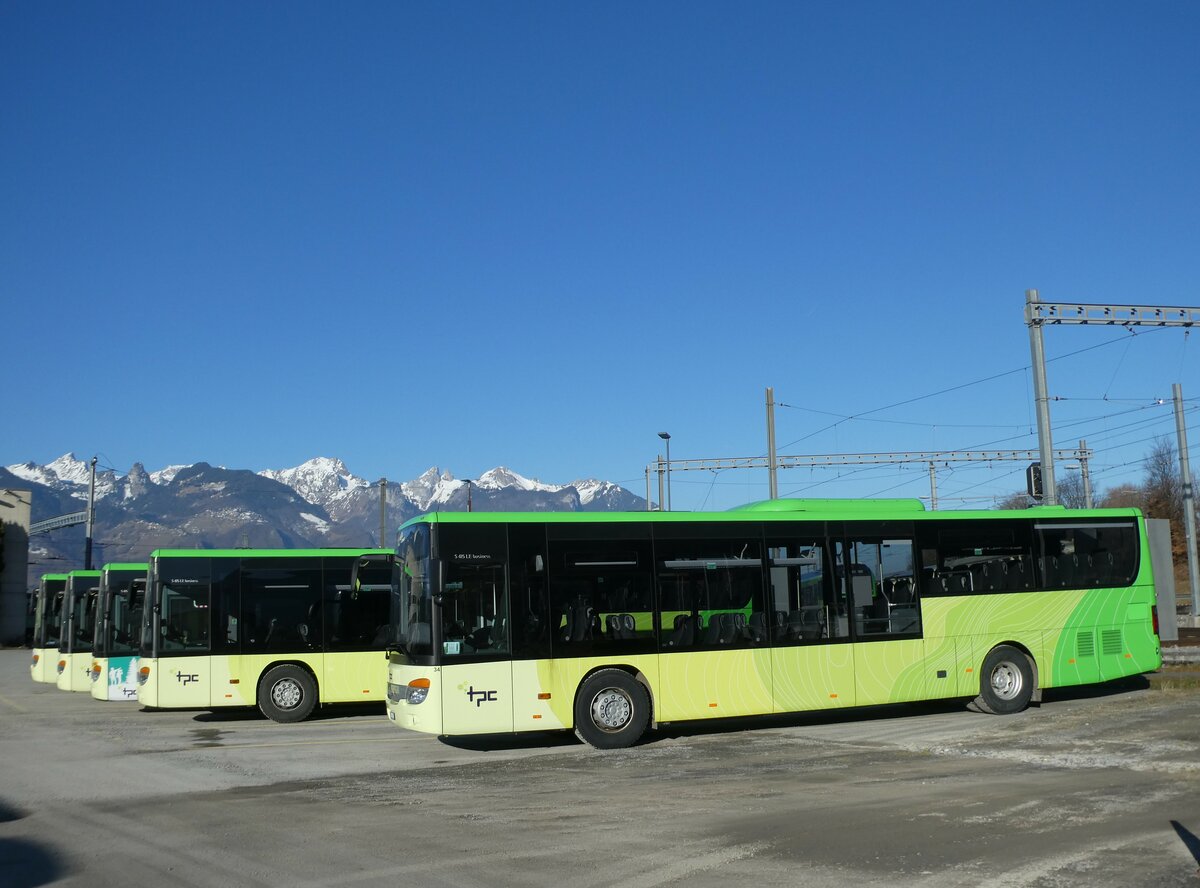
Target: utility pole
(660,483)
(932,487)
(648,506)
(1189,502)
(1039,314)
(1041,398)
(383,512)
(1085,474)
(91,518)
(772,463)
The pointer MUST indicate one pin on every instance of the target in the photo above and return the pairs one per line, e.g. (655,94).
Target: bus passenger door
(476,674)
(879,577)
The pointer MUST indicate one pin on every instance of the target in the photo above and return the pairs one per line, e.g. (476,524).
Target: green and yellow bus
(47,624)
(610,624)
(117,626)
(78,627)
(280,629)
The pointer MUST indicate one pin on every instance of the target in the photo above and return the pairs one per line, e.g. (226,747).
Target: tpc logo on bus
(184,679)
(480,697)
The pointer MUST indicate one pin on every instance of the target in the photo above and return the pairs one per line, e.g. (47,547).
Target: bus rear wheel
(612,710)
(1006,682)
(287,694)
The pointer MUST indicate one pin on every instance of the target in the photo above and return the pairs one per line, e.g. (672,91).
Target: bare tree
(1123,496)
(1163,487)
(1070,491)
(1018,500)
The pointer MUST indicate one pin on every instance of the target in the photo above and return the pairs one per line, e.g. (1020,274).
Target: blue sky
(537,234)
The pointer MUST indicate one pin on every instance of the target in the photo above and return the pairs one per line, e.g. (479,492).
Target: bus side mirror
(366,561)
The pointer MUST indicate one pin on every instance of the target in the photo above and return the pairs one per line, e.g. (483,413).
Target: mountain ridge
(315,504)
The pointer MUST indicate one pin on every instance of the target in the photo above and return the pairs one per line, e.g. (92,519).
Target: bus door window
(711,590)
(529,624)
(805,604)
(184,617)
(474,599)
(879,577)
(474,610)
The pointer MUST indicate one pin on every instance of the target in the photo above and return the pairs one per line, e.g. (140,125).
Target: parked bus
(117,625)
(608,624)
(75,642)
(46,626)
(278,629)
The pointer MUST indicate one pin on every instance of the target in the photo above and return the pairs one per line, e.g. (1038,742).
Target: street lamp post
(468,482)
(666,437)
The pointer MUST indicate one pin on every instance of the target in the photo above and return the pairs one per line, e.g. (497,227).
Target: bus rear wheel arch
(1007,681)
(287,693)
(612,709)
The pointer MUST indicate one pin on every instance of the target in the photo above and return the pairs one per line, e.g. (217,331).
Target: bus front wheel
(1006,682)
(287,694)
(611,710)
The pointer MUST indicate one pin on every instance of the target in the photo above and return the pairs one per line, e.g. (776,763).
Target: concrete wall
(14,513)
(1159,532)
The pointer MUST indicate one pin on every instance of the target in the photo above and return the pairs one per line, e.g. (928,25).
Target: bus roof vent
(835,506)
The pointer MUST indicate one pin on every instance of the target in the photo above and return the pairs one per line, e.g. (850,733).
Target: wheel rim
(287,693)
(612,710)
(1007,680)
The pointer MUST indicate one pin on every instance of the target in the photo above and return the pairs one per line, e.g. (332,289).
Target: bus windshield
(412,598)
(83,624)
(122,620)
(48,614)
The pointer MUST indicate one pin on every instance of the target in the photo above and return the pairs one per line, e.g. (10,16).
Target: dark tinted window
(185,599)
(529,615)
(281,605)
(602,598)
(356,619)
(474,591)
(124,618)
(412,597)
(961,557)
(1088,555)
(710,590)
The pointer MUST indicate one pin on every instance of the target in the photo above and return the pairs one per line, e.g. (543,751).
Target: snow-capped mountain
(321,480)
(67,474)
(317,503)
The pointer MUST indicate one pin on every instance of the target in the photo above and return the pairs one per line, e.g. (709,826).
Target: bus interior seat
(733,628)
(581,622)
(684,633)
(757,627)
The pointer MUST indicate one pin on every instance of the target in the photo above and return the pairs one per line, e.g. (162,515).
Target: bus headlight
(62,665)
(143,675)
(36,657)
(95,672)
(418,690)
(395,692)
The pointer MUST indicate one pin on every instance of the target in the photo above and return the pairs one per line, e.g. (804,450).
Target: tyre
(1006,682)
(612,710)
(287,694)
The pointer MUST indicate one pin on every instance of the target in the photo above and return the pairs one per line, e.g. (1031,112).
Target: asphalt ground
(1094,787)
